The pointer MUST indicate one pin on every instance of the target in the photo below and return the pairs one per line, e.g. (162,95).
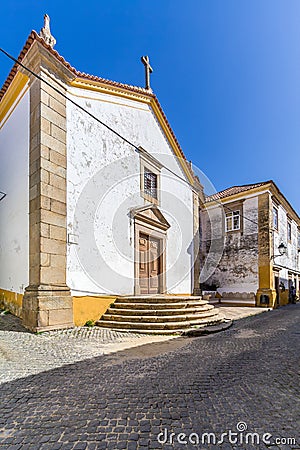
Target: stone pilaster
(265,267)
(47,302)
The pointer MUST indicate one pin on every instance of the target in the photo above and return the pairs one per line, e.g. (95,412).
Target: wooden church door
(149,264)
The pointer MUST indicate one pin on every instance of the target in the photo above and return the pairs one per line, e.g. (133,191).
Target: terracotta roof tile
(35,37)
(234,190)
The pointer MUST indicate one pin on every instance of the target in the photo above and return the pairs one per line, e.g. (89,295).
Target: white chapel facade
(94,211)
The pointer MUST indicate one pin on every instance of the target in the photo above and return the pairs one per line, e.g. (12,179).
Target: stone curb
(192,332)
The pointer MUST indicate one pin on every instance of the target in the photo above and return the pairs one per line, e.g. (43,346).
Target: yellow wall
(90,308)
(11,301)
(84,308)
(284,297)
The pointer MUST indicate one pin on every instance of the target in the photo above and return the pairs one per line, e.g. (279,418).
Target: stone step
(149,305)
(156,326)
(159,313)
(156,319)
(161,299)
(146,331)
(130,311)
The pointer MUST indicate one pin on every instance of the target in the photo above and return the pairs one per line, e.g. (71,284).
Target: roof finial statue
(45,32)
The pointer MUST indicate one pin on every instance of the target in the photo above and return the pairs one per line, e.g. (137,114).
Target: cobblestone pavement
(247,375)
(54,349)
(23,353)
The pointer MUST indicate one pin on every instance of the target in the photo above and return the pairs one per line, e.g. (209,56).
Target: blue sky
(226,72)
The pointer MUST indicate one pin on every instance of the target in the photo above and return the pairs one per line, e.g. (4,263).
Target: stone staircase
(161,314)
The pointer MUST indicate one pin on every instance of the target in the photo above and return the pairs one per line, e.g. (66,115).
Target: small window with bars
(150,184)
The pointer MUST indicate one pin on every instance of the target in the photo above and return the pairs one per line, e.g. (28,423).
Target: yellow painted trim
(140,97)
(12,301)
(90,308)
(284,298)
(97,86)
(171,140)
(238,196)
(111,102)
(13,108)
(272,296)
(84,308)
(16,87)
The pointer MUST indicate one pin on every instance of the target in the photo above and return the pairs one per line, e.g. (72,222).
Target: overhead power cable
(58,91)
(86,111)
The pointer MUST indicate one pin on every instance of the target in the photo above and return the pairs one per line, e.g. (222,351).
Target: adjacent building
(253,232)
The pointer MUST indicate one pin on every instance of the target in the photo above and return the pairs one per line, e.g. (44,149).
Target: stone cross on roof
(45,32)
(148,70)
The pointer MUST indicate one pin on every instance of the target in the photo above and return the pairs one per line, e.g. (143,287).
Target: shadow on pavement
(9,322)
(209,385)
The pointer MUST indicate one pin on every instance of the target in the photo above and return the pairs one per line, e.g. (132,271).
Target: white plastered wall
(14,225)
(103,185)
(289,261)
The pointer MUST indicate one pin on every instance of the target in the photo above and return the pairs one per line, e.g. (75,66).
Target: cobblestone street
(245,377)
(23,353)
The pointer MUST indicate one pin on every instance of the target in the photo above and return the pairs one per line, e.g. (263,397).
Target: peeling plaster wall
(103,184)
(14,208)
(236,265)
